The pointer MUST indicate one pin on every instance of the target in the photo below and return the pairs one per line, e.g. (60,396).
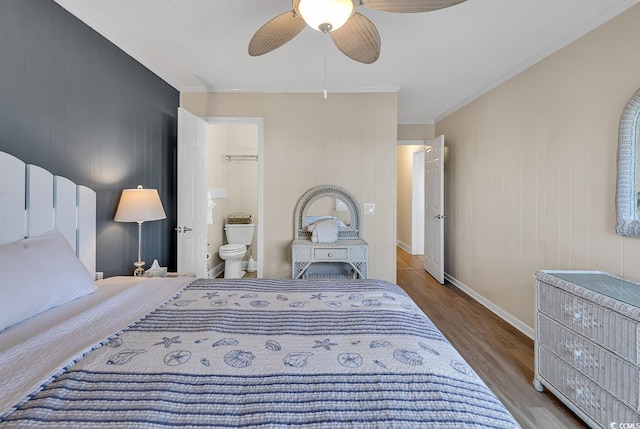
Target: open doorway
(410,196)
(235,186)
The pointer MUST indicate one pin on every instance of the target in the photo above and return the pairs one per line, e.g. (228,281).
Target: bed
(169,352)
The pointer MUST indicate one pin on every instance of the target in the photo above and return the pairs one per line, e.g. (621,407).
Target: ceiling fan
(353,34)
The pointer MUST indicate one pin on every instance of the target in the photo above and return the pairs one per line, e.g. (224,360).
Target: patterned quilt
(272,353)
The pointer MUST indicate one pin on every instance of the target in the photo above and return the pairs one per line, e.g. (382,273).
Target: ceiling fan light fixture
(326,15)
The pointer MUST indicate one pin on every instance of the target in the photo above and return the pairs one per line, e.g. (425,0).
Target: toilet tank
(239,233)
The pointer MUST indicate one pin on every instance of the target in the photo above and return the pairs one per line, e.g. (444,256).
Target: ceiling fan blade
(276,33)
(409,6)
(358,39)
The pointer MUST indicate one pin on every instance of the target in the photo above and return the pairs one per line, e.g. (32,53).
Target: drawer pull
(330,255)
(579,393)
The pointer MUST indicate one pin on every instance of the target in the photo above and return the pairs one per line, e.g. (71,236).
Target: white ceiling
(437,61)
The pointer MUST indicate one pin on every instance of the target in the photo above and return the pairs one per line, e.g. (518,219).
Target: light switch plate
(369,208)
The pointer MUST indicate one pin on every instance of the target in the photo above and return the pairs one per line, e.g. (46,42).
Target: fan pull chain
(325,66)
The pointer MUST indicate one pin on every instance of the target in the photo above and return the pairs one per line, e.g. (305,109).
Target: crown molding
(383,89)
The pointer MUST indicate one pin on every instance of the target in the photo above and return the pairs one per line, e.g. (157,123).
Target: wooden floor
(500,354)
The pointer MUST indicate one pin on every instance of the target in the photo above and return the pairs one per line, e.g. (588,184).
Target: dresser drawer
(612,373)
(601,325)
(586,395)
(331,254)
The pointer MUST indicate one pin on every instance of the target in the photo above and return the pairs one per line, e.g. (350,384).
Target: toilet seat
(233,247)
(231,250)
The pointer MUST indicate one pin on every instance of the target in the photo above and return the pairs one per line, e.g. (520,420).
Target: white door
(192,194)
(433,208)
(417,203)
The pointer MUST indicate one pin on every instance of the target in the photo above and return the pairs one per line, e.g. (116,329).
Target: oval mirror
(328,201)
(328,208)
(627,195)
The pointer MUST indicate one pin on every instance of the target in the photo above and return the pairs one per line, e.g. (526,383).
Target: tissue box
(156,272)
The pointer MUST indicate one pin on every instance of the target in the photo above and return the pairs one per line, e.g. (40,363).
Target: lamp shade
(325,15)
(139,205)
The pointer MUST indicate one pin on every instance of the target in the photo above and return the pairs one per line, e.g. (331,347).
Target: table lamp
(139,205)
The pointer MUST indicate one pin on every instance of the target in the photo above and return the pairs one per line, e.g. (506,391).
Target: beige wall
(530,173)
(404,162)
(348,140)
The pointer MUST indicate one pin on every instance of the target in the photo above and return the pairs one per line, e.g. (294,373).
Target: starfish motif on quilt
(211,295)
(318,296)
(169,341)
(326,344)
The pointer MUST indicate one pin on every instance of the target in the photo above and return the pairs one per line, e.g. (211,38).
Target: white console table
(587,345)
(348,257)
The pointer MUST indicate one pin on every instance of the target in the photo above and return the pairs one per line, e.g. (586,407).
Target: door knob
(440,216)
(186,229)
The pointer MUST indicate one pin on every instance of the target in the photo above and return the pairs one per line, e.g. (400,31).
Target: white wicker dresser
(587,344)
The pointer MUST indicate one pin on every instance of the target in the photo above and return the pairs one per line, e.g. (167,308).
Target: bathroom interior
(232,181)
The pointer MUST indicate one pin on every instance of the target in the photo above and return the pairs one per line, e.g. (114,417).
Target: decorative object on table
(156,270)
(353,34)
(139,205)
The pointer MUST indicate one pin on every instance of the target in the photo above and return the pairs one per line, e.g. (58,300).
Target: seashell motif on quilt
(378,344)
(114,343)
(350,360)
(333,304)
(272,345)
(299,304)
(239,358)
(461,367)
(426,348)
(218,303)
(282,297)
(259,304)
(356,296)
(407,357)
(380,364)
(183,302)
(250,295)
(226,342)
(388,296)
(297,360)
(371,303)
(124,356)
(205,362)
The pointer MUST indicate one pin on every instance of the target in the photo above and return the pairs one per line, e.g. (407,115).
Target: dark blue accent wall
(75,104)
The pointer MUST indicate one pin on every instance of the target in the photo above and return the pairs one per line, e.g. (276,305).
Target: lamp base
(139,271)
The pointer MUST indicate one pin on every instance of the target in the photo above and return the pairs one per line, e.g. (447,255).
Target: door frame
(259,121)
(417,202)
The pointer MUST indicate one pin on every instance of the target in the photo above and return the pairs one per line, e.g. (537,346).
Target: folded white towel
(324,231)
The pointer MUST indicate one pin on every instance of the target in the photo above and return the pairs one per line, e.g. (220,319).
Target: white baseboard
(216,271)
(516,323)
(404,247)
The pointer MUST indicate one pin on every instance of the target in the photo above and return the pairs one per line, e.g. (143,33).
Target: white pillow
(324,231)
(39,273)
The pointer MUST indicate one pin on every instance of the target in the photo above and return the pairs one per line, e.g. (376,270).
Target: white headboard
(33,201)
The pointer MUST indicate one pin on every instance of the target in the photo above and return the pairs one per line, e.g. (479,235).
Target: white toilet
(239,236)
